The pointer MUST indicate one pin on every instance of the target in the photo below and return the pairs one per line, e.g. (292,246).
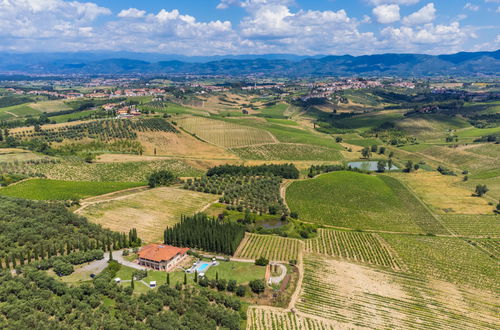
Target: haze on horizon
(234,27)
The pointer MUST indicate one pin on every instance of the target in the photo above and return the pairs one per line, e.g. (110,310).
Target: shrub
(62,268)
(262,261)
(161,178)
(241,290)
(257,286)
(231,286)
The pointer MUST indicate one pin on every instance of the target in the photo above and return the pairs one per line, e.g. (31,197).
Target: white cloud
(131,13)
(49,18)
(386,14)
(396,2)
(425,15)
(428,35)
(471,6)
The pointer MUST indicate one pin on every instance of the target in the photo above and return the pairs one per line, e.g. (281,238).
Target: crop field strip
(225,134)
(355,246)
(421,306)
(473,225)
(491,245)
(273,319)
(287,151)
(274,248)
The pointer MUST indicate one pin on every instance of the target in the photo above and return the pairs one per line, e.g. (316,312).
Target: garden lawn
(44,189)
(241,272)
(360,201)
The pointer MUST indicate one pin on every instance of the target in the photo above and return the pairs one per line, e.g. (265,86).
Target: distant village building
(161,257)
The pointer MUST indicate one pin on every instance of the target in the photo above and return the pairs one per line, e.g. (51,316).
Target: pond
(368,165)
(271,223)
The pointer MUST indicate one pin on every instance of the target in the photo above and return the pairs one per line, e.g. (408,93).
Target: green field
(44,189)
(287,151)
(360,201)
(289,134)
(241,272)
(73,116)
(276,111)
(21,110)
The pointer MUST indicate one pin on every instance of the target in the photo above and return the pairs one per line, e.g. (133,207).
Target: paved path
(118,256)
(279,278)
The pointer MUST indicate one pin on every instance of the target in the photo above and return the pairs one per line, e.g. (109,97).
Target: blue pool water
(202,267)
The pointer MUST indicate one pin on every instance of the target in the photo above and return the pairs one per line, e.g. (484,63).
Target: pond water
(271,224)
(368,165)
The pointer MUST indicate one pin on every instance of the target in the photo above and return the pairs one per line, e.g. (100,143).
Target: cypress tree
(168,279)
(185,279)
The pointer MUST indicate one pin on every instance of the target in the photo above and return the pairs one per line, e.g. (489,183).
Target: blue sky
(220,27)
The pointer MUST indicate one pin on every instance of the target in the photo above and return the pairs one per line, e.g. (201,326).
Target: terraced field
(361,201)
(362,297)
(225,134)
(274,248)
(473,224)
(287,151)
(262,318)
(354,246)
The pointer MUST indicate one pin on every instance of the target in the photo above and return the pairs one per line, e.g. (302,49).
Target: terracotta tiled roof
(160,252)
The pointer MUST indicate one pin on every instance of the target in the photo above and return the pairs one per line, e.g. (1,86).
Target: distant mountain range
(409,65)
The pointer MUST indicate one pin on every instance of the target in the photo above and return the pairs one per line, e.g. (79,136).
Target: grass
(473,225)
(241,272)
(287,151)
(367,121)
(9,155)
(20,110)
(72,116)
(50,106)
(429,126)
(289,134)
(44,189)
(360,201)
(442,193)
(225,134)
(462,158)
(276,111)
(364,142)
(150,211)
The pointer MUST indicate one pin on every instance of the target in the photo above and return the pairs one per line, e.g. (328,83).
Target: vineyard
(471,224)
(361,201)
(78,170)
(287,151)
(225,134)
(274,319)
(355,246)
(274,248)
(489,244)
(104,130)
(356,295)
(257,193)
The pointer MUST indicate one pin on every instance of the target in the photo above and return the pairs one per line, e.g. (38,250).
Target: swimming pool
(201,267)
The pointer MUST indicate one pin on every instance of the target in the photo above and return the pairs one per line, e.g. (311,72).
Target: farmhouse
(161,257)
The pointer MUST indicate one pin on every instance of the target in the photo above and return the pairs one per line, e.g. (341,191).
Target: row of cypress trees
(208,234)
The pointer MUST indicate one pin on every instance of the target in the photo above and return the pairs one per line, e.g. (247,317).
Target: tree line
(208,234)
(286,171)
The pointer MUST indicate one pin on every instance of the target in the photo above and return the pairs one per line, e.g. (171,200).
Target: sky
(223,27)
